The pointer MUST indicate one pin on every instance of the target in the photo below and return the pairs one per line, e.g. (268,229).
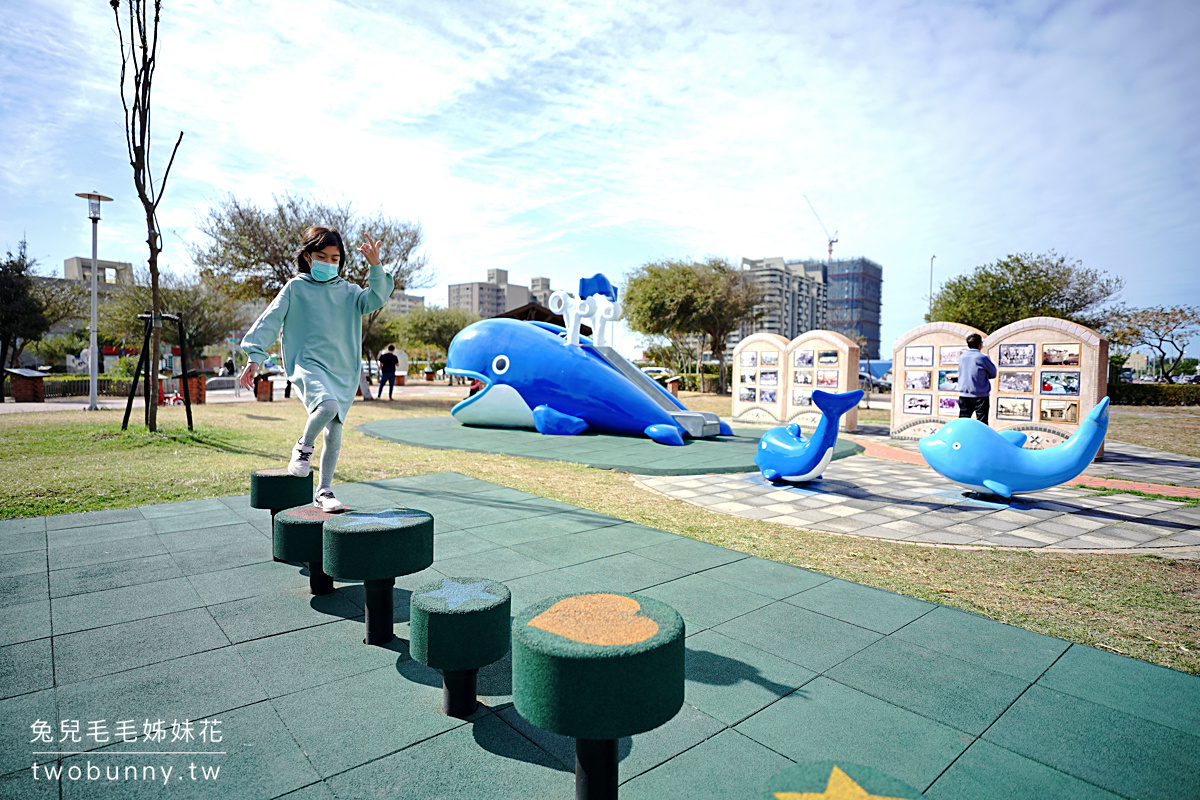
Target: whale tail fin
(835,405)
(1099,413)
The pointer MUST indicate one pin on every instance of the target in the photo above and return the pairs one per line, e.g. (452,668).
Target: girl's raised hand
(370,250)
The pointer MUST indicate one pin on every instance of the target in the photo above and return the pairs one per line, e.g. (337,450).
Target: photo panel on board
(827,358)
(748,394)
(947,405)
(802,377)
(748,376)
(1060,382)
(801,398)
(1017,355)
(948,380)
(749,358)
(803,359)
(948,354)
(1017,409)
(768,377)
(920,355)
(1063,412)
(827,378)
(918,379)
(918,403)
(769,359)
(1015,382)
(1060,354)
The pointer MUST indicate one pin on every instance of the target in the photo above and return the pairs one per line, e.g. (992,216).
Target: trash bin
(264,390)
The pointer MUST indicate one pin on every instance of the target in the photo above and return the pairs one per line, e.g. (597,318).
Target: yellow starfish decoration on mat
(840,787)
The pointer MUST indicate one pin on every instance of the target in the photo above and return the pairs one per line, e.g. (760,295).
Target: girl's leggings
(324,416)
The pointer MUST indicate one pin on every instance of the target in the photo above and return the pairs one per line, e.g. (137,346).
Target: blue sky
(566,138)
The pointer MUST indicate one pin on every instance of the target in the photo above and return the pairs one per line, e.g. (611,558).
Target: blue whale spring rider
(784,454)
(968,452)
(549,378)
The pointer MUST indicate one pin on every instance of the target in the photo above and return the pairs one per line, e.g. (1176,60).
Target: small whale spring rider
(785,455)
(995,462)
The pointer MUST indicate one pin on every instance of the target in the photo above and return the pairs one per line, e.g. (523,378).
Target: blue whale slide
(970,453)
(533,378)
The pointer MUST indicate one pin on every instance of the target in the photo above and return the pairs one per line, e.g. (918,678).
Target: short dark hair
(391,347)
(317,238)
(974,341)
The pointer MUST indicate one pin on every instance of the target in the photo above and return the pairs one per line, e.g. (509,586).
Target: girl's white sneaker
(327,502)
(301,463)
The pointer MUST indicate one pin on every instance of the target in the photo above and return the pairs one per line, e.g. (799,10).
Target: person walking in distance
(387,370)
(975,371)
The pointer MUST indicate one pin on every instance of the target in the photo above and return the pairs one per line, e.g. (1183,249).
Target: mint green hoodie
(320,325)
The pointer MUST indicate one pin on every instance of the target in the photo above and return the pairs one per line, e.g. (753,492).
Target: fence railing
(105,387)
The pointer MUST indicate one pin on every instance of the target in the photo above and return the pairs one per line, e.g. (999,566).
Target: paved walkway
(882,499)
(1127,462)
(176,612)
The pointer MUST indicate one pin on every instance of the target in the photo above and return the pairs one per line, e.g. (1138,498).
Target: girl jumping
(317,315)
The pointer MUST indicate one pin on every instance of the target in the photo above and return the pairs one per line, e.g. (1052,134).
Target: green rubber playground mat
(176,612)
(634,454)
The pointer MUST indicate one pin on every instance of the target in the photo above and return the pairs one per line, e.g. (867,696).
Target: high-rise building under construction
(842,295)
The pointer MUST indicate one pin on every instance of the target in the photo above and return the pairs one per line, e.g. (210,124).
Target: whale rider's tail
(835,405)
(1099,413)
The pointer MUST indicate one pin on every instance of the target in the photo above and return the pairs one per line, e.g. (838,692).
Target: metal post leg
(595,769)
(318,581)
(459,693)
(379,610)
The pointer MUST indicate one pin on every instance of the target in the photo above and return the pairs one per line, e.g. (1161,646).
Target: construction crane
(832,239)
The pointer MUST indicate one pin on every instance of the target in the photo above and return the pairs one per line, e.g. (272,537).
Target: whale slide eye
(957,445)
(500,364)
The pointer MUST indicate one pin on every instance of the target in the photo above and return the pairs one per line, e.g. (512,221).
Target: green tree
(385,331)
(725,299)
(22,316)
(61,301)
(53,350)
(679,299)
(433,326)
(251,251)
(208,313)
(1024,285)
(1166,330)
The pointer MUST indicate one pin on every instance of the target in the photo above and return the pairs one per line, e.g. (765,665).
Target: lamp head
(94,199)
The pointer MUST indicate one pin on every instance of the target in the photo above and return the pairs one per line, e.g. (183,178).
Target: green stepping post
(375,547)
(296,536)
(457,626)
(836,779)
(277,489)
(597,667)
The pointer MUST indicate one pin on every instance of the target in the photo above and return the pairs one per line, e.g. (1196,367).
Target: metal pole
(931,258)
(93,351)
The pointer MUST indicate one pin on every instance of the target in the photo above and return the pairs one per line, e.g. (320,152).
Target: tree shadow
(715,669)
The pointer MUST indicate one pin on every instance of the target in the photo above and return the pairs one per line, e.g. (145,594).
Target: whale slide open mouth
(496,405)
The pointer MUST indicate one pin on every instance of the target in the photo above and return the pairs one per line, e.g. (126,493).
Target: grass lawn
(61,462)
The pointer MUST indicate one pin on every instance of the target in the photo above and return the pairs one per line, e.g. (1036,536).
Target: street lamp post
(94,201)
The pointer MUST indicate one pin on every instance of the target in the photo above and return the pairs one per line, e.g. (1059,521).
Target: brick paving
(886,499)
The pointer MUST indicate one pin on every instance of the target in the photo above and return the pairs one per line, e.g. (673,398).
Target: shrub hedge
(1154,394)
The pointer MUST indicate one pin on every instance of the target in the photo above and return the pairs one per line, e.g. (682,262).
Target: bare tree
(251,251)
(141,52)
(1163,329)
